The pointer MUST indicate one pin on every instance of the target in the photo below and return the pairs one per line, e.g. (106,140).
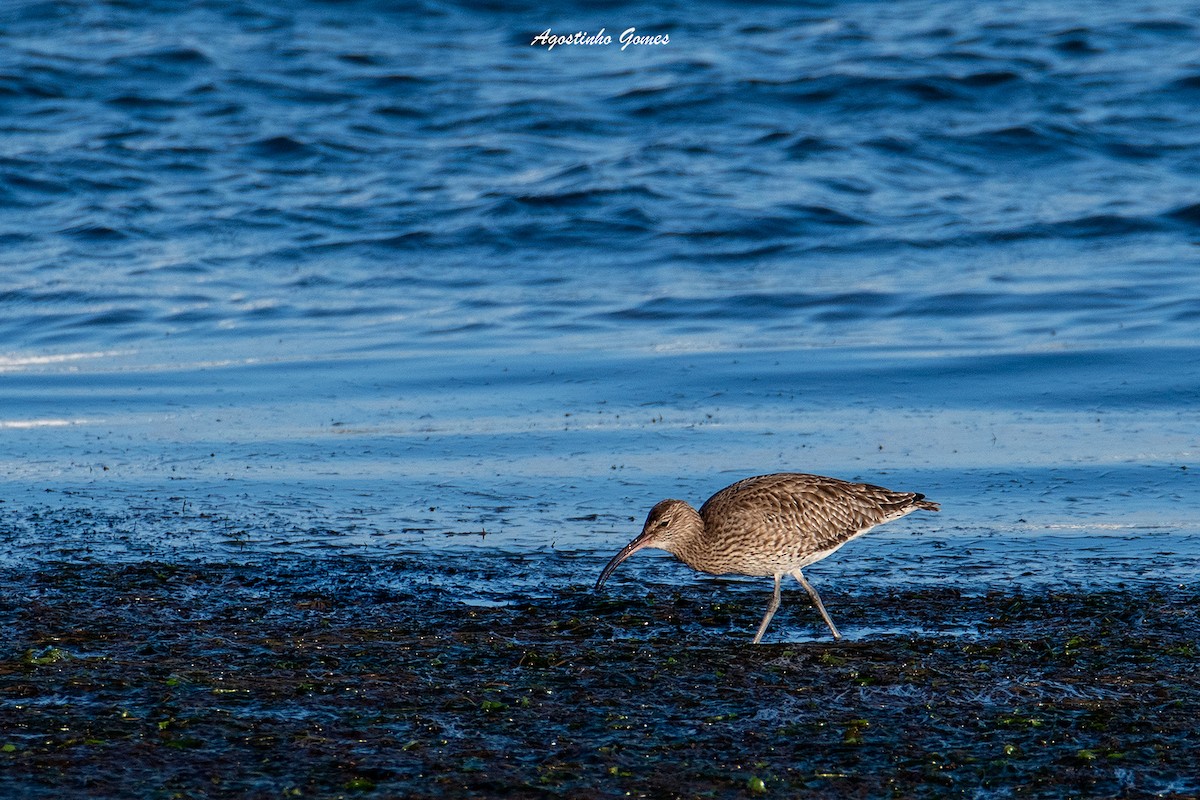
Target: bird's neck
(686,542)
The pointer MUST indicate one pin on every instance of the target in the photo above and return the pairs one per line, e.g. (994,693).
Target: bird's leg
(762,628)
(816,598)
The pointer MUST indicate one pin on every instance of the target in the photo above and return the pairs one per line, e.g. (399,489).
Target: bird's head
(666,525)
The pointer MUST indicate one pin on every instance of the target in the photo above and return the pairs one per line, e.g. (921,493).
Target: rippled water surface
(285,280)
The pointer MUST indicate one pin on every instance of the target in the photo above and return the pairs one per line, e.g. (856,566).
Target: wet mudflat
(356,677)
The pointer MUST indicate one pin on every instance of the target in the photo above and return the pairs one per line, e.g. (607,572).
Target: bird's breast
(732,556)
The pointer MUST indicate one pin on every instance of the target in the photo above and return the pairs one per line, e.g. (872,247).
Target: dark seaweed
(344,678)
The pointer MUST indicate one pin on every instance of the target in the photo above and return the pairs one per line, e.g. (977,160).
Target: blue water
(346,278)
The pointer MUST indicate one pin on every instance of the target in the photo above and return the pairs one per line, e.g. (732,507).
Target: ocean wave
(796,180)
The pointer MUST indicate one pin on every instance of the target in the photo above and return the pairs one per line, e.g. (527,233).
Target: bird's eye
(662,523)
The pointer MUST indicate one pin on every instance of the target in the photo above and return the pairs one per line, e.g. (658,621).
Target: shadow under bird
(770,525)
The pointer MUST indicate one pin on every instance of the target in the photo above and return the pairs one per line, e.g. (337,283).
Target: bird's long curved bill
(626,551)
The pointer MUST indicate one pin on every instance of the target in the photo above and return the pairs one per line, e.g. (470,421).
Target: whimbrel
(770,525)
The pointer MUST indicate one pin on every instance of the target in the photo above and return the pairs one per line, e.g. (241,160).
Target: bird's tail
(919,501)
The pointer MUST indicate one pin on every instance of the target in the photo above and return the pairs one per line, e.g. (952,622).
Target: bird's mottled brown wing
(798,512)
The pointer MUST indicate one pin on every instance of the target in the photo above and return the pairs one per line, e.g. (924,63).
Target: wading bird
(770,525)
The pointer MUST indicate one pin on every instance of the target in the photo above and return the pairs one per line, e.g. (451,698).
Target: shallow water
(322,280)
